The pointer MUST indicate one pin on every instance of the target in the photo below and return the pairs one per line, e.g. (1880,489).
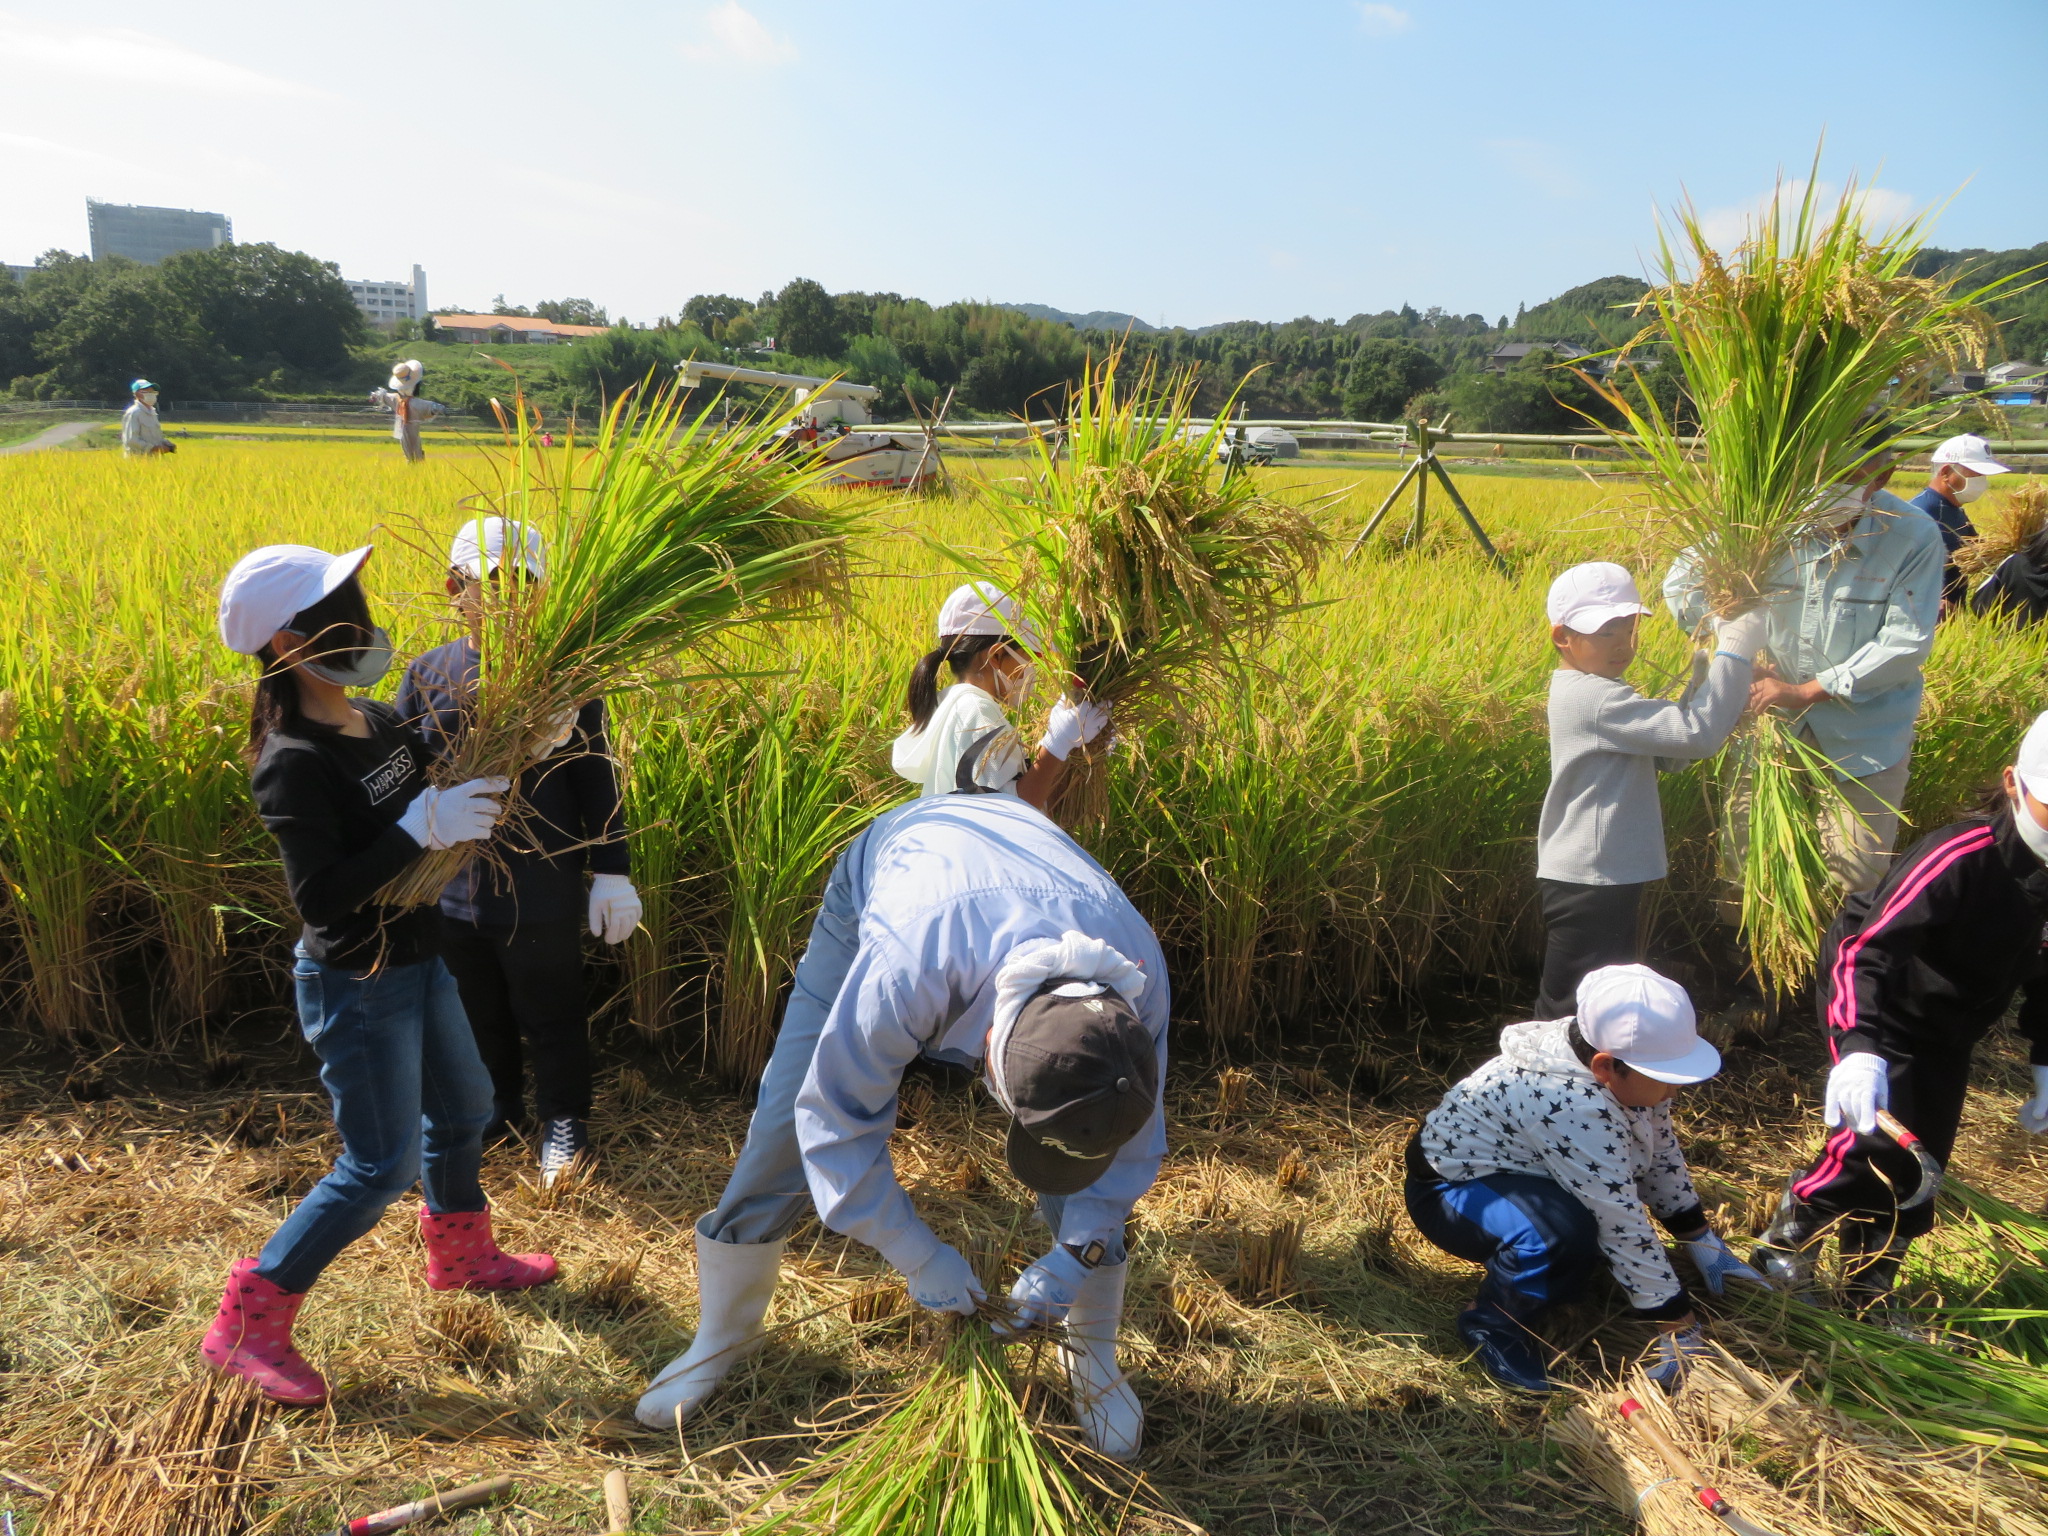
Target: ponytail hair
(276,701)
(963,651)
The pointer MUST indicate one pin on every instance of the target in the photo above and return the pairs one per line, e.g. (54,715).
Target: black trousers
(523,991)
(1859,1180)
(1587,926)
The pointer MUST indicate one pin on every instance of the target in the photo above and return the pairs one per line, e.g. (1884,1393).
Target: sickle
(1930,1170)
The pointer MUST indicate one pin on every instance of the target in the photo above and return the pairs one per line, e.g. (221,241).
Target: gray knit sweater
(1601,822)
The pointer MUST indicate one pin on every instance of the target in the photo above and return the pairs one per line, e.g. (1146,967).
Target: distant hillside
(1094,320)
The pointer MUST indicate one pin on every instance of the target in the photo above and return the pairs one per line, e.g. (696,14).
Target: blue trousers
(1537,1241)
(767,1194)
(411,1099)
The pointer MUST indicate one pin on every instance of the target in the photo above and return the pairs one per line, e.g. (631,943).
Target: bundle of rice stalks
(1147,568)
(1988,1270)
(956,1457)
(1787,895)
(2008,526)
(179,1471)
(1787,1465)
(1785,346)
(666,534)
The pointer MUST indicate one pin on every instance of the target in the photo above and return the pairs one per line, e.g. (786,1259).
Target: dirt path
(51,437)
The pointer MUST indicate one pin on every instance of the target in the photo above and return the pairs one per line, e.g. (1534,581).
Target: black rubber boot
(1871,1276)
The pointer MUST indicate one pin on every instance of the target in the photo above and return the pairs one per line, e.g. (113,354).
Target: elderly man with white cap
(1962,468)
(1912,976)
(512,923)
(401,397)
(1556,1154)
(968,928)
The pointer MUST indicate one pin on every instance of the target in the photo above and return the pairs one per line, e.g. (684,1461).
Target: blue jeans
(411,1099)
(1537,1241)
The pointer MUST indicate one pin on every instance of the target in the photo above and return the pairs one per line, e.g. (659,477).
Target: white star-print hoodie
(1535,1109)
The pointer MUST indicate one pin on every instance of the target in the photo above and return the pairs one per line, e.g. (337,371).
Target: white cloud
(122,56)
(1876,207)
(1383,20)
(734,33)
(29,144)
(1539,164)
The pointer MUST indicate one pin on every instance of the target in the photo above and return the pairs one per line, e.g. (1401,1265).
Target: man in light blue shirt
(969,928)
(1850,627)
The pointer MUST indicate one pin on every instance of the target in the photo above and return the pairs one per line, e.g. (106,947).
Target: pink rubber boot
(463,1256)
(251,1337)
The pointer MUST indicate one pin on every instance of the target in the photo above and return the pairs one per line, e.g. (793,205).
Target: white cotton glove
(1858,1087)
(1045,1291)
(1744,635)
(441,818)
(1717,1264)
(555,733)
(944,1283)
(614,908)
(2034,1113)
(1070,724)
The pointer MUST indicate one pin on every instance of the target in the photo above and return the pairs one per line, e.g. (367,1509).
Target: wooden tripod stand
(1426,464)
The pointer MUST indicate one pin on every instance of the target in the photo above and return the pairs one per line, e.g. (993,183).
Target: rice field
(1338,857)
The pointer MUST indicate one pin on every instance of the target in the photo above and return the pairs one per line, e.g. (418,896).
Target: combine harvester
(836,424)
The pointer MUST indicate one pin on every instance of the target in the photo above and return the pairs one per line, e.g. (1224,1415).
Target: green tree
(267,306)
(712,312)
(1385,375)
(570,312)
(807,321)
(125,324)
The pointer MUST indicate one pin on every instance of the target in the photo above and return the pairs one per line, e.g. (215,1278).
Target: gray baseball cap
(1079,1075)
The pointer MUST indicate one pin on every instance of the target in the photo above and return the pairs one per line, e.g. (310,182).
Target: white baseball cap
(982,608)
(1646,1020)
(1587,596)
(478,547)
(2031,765)
(269,585)
(1969,452)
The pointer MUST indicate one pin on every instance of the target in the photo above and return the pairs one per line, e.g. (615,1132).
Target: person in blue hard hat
(142,434)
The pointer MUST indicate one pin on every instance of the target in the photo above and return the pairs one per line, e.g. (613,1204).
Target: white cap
(983,608)
(478,547)
(1646,1020)
(406,376)
(269,585)
(2032,764)
(1587,596)
(1969,452)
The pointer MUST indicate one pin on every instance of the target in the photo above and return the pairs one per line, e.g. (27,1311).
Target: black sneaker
(1503,1348)
(562,1143)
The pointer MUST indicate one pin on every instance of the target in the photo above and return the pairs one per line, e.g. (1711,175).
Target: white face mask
(1972,487)
(148,398)
(2031,832)
(1019,686)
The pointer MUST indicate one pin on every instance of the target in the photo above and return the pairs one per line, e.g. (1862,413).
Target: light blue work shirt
(945,888)
(1856,612)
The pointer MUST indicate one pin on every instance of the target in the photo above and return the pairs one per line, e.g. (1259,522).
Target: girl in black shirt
(343,788)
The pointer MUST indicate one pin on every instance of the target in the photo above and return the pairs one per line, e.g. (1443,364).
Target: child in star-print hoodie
(1556,1154)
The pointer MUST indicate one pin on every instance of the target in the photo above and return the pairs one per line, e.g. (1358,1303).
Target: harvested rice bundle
(2013,522)
(181,1470)
(957,1457)
(1786,347)
(668,533)
(1149,570)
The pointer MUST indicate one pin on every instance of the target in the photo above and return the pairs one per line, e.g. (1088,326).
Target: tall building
(388,303)
(149,235)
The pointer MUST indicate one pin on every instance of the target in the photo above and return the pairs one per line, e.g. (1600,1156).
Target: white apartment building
(389,303)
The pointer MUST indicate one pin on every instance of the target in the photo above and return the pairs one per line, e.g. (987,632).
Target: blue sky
(1190,162)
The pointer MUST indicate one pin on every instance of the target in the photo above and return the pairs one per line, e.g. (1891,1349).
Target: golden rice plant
(2012,522)
(667,533)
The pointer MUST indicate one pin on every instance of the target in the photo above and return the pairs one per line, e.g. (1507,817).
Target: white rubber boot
(1105,1407)
(735,1282)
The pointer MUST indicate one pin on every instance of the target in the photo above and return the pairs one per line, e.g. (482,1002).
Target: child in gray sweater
(1601,837)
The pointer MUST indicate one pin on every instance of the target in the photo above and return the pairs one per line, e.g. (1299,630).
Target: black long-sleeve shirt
(333,801)
(572,821)
(1928,962)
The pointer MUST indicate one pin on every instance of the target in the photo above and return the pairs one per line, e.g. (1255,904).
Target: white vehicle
(836,424)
